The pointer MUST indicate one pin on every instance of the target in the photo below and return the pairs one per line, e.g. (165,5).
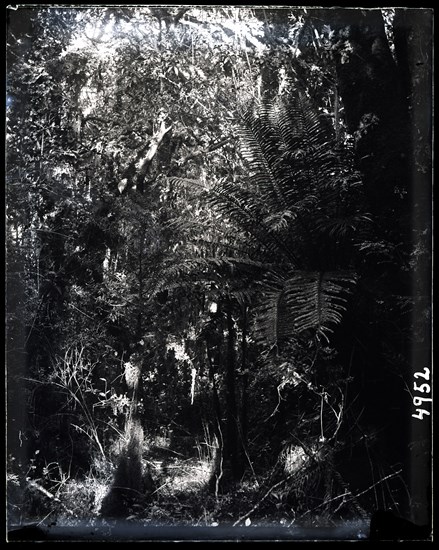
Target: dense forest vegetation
(218,264)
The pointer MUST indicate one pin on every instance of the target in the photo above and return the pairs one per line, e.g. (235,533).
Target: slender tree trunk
(139,330)
(244,370)
(232,447)
(218,453)
(215,398)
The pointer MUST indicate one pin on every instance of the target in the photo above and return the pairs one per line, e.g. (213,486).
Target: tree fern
(312,196)
(299,203)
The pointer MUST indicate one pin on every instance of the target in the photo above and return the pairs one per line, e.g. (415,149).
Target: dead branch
(45,492)
(353,497)
(267,494)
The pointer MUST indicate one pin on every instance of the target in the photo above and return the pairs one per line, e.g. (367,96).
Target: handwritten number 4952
(423,389)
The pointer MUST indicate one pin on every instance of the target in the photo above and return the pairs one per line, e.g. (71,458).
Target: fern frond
(306,301)
(301,125)
(178,272)
(260,147)
(291,151)
(185,183)
(341,227)
(248,211)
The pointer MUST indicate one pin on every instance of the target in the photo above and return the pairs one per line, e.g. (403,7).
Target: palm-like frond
(342,226)
(249,212)
(178,272)
(290,150)
(259,143)
(304,301)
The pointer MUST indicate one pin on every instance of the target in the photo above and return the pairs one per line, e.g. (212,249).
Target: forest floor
(181,496)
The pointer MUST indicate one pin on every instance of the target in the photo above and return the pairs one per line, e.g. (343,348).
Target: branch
(144,163)
(42,490)
(180,14)
(157,138)
(245,516)
(48,494)
(204,151)
(353,497)
(96,41)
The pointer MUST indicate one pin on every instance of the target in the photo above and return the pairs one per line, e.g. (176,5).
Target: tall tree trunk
(375,108)
(388,110)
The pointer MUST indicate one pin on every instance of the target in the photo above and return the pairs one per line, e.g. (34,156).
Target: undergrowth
(180,497)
